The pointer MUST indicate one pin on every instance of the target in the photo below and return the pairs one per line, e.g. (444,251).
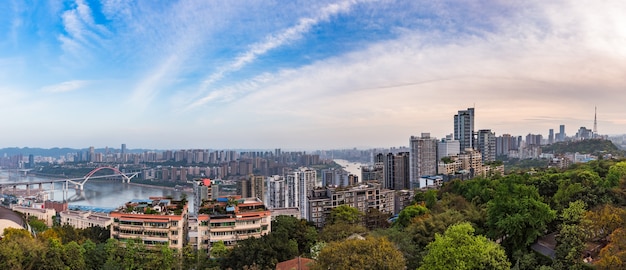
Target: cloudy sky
(304,74)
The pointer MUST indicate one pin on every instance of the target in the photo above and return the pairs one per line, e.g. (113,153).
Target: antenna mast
(595,121)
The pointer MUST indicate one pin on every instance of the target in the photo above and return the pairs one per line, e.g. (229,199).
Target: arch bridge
(80,183)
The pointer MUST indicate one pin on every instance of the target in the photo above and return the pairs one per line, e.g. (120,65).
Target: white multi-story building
(85,219)
(47,215)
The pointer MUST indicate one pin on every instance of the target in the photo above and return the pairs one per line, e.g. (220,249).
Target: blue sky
(303,74)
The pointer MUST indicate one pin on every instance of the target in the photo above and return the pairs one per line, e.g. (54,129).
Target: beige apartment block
(156,221)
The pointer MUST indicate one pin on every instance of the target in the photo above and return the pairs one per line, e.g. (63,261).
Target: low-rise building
(47,215)
(155,221)
(291,211)
(85,219)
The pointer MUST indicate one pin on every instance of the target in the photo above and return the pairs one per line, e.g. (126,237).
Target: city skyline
(305,74)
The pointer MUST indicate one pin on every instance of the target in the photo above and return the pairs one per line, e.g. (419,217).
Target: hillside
(584,147)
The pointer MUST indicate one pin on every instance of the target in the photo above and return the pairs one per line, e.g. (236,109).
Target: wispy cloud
(82,34)
(270,42)
(65,86)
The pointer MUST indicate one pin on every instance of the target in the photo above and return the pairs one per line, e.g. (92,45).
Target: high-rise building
(464,128)
(275,197)
(551,136)
(562,134)
(533,140)
(487,145)
(395,170)
(423,156)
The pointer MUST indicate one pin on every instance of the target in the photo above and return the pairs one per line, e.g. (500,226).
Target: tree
(340,231)
(53,255)
(265,252)
(571,238)
(603,220)
(613,255)
(74,256)
(345,214)
(371,253)
(218,249)
(37,224)
(409,213)
(517,215)
(299,230)
(616,173)
(459,248)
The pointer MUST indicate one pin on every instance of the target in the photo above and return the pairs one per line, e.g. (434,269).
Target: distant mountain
(584,147)
(56,152)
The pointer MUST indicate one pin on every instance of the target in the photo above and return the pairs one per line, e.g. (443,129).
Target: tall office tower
(123,149)
(562,134)
(487,145)
(551,136)
(423,157)
(504,143)
(464,128)
(396,171)
(448,147)
(92,154)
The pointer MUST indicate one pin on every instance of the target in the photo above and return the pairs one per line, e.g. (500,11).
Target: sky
(316,74)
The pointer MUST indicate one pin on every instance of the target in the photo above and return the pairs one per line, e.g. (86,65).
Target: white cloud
(270,42)
(411,84)
(67,86)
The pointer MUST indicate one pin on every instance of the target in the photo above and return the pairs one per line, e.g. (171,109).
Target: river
(98,193)
(350,167)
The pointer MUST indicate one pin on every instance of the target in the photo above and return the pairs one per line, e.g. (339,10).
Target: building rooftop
(154,206)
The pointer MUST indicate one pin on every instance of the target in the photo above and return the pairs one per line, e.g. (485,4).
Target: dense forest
(594,146)
(484,223)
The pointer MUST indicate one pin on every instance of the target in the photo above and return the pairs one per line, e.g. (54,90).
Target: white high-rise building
(448,147)
(306,182)
(423,156)
(275,197)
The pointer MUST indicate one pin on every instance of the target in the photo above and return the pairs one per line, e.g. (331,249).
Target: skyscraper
(487,145)
(464,128)
(423,156)
(551,136)
(562,135)
(395,170)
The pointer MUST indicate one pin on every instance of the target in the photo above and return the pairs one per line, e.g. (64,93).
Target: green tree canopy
(459,248)
(409,213)
(345,214)
(517,215)
(371,253)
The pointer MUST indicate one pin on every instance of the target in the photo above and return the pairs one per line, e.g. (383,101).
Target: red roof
(298,263)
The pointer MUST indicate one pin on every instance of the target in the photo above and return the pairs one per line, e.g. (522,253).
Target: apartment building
(230,219)
(155,221)
(362,197)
